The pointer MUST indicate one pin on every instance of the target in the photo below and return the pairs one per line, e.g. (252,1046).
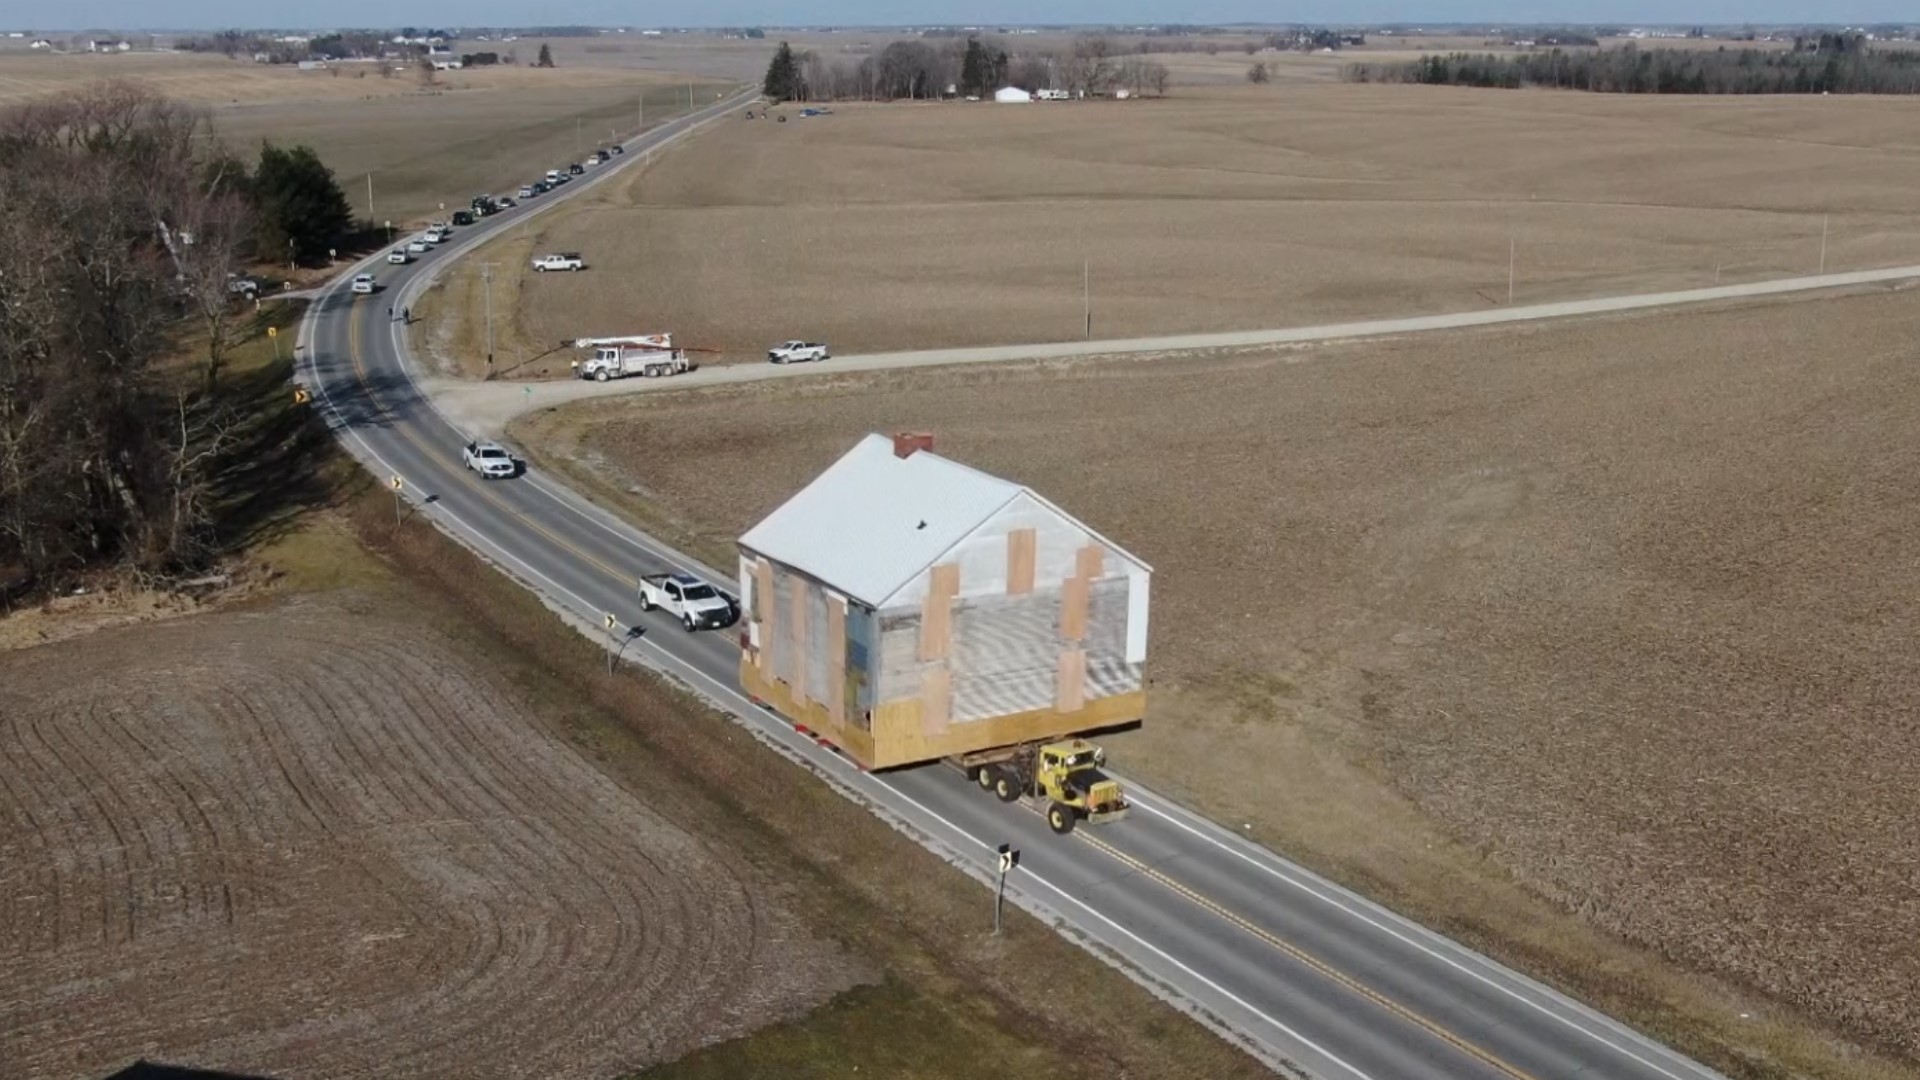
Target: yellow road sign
(612,622)
(273,331)
(397,483)
(300,395)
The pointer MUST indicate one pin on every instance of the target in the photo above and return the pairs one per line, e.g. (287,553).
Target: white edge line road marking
(748,715)
(1391,931)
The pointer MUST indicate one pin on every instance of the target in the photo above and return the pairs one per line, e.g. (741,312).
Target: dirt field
(484,129)
(313,840)
(1625,606)
(913,226)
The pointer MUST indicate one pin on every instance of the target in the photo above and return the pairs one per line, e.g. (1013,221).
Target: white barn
(1007,95)
(909,608)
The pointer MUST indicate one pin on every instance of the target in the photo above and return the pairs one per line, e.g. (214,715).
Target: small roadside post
(610,623)
(397,484)
(273,335)
(1009,858)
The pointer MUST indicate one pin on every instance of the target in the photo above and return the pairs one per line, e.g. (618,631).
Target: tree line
(1838,67)
(124,226)
(924,69)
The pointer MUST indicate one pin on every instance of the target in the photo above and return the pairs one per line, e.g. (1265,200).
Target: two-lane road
(1303,973)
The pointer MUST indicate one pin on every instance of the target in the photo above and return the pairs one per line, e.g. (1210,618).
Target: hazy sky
(186,14)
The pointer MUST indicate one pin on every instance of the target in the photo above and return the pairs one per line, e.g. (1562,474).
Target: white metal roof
(873,521)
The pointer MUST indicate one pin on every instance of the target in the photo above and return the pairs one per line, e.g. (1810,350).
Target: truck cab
(1066,777)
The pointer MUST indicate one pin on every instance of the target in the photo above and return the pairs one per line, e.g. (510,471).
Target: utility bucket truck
(652,355)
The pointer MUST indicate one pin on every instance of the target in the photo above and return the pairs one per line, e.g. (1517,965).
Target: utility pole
(1823,242)
(1086,294)
(369,196)
(576,136)
(486,275)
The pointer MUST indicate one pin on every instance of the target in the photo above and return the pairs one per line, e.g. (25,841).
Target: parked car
(418,246)
(554,175)
(797,352)
(576,169)
(617,148)
(490,460)
(364,283)
(399,257)
(433,236)
(504,202)
(244,287)
(569,260)
(527,191)
(694,602)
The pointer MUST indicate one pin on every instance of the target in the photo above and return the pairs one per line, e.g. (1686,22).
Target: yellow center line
(1310,961)
(479,486)
(1124,859)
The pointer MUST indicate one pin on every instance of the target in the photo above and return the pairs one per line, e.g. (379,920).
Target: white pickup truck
(569,260)
(797,352)
(490,460)
(695,603)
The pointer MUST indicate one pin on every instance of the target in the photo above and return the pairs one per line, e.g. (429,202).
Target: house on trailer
(906,608)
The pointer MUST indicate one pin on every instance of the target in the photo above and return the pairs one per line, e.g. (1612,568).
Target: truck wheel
(1060,818)
(984,777)
(687,621)
(645,604)
(601,375)
(1003,786)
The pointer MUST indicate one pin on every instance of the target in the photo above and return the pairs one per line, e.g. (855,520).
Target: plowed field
(311,842)
(1628,606)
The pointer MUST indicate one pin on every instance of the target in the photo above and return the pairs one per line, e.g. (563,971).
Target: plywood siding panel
(820,648)
(1074,597)
(1021,547)
(775,634)
(797,635)
(1070,682)
(935,626)
(836,641)
(936,702)
(1090,562)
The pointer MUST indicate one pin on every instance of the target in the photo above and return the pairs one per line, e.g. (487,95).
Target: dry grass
(1616,615)
(483,129)
(911,226)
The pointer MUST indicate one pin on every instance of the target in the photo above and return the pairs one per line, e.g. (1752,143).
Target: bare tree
(1089,64)
(1257,74)
(114,229)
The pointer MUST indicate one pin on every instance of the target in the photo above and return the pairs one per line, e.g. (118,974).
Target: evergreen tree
(302,210)
(546,57)
(976,70)
(783,77)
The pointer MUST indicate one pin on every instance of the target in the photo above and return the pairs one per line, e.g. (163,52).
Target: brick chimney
(905,443)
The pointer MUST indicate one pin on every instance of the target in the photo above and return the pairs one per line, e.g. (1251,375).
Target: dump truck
(906,609)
